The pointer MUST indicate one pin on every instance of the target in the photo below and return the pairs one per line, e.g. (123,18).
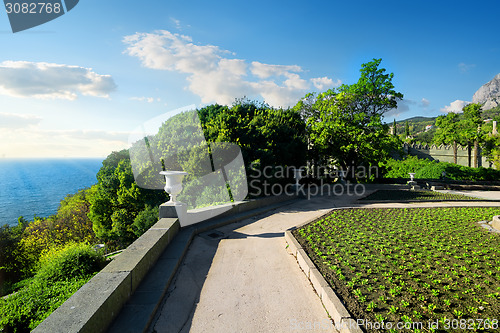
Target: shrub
(426,169)
(23,311)
(71,261)
(145,220)
(401,168)
(62,272)
(434,171)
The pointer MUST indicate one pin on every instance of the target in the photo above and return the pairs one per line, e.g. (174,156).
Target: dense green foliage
(73,260)
(425,137)
(342,127)
(62,272)
(427,169)
(418,124)
(266,135)
(472,128)
(117,200)
(415,125)
(121,209)
(401,168)
(346,124)
(24,244)
(492,149)
(13,266)
(145,220)
(448,132)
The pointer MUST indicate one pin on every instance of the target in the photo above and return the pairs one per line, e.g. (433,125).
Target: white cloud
(425,102)
(265,71)
(176,22)
(52,81)
(14,121)
(97,135)
(145,99)
(215,77)
(33,141)
(456,106)
(324,83)
(463,67)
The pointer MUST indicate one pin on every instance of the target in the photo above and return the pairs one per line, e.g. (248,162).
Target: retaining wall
(444,153)
(94,307)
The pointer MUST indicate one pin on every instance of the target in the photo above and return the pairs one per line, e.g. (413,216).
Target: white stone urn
(173,183)
(297,175)
(412,175)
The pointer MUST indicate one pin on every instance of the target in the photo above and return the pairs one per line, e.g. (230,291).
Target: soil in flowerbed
(411,265)
(407,195)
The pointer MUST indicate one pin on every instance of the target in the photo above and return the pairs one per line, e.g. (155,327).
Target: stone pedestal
(174,210)
(496,222)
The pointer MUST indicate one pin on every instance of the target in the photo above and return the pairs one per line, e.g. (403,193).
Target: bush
(426,169)
(401,168)
(145,220)
(62,272)
(434,171)
(26,309)
(71,261)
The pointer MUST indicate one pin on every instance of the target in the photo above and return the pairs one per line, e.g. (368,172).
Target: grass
(410,264)
(407,195)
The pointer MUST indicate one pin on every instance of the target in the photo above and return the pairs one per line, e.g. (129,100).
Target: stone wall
(444,153)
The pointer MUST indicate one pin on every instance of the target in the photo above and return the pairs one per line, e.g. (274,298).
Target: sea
(35,187)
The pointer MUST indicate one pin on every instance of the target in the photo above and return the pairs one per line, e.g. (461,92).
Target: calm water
(31,187)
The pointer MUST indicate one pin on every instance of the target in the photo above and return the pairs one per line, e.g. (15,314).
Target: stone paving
(242,279)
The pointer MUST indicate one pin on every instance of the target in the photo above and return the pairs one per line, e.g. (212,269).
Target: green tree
(271,136)
(492,149)
(117,200)
(13,263)
(394,128)
(471,130)
(267,136)
(447,132)
(407,129)
(145,220)
(346,124)
(70,224)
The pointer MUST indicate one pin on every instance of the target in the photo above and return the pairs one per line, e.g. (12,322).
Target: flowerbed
(407,195)
(413,265)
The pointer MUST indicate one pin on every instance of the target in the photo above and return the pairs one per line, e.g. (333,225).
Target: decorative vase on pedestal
(173,186)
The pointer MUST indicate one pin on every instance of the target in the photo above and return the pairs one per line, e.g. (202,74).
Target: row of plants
(407,195)
(427,169)
(411,264)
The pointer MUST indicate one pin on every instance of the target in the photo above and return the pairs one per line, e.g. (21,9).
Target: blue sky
(77,86)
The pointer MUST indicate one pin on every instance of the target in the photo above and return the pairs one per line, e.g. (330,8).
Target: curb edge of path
(333,305)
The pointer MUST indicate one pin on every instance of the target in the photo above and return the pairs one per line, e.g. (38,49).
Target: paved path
(247,281)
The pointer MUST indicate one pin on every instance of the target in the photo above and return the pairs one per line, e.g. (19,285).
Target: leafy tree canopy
(346,124)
